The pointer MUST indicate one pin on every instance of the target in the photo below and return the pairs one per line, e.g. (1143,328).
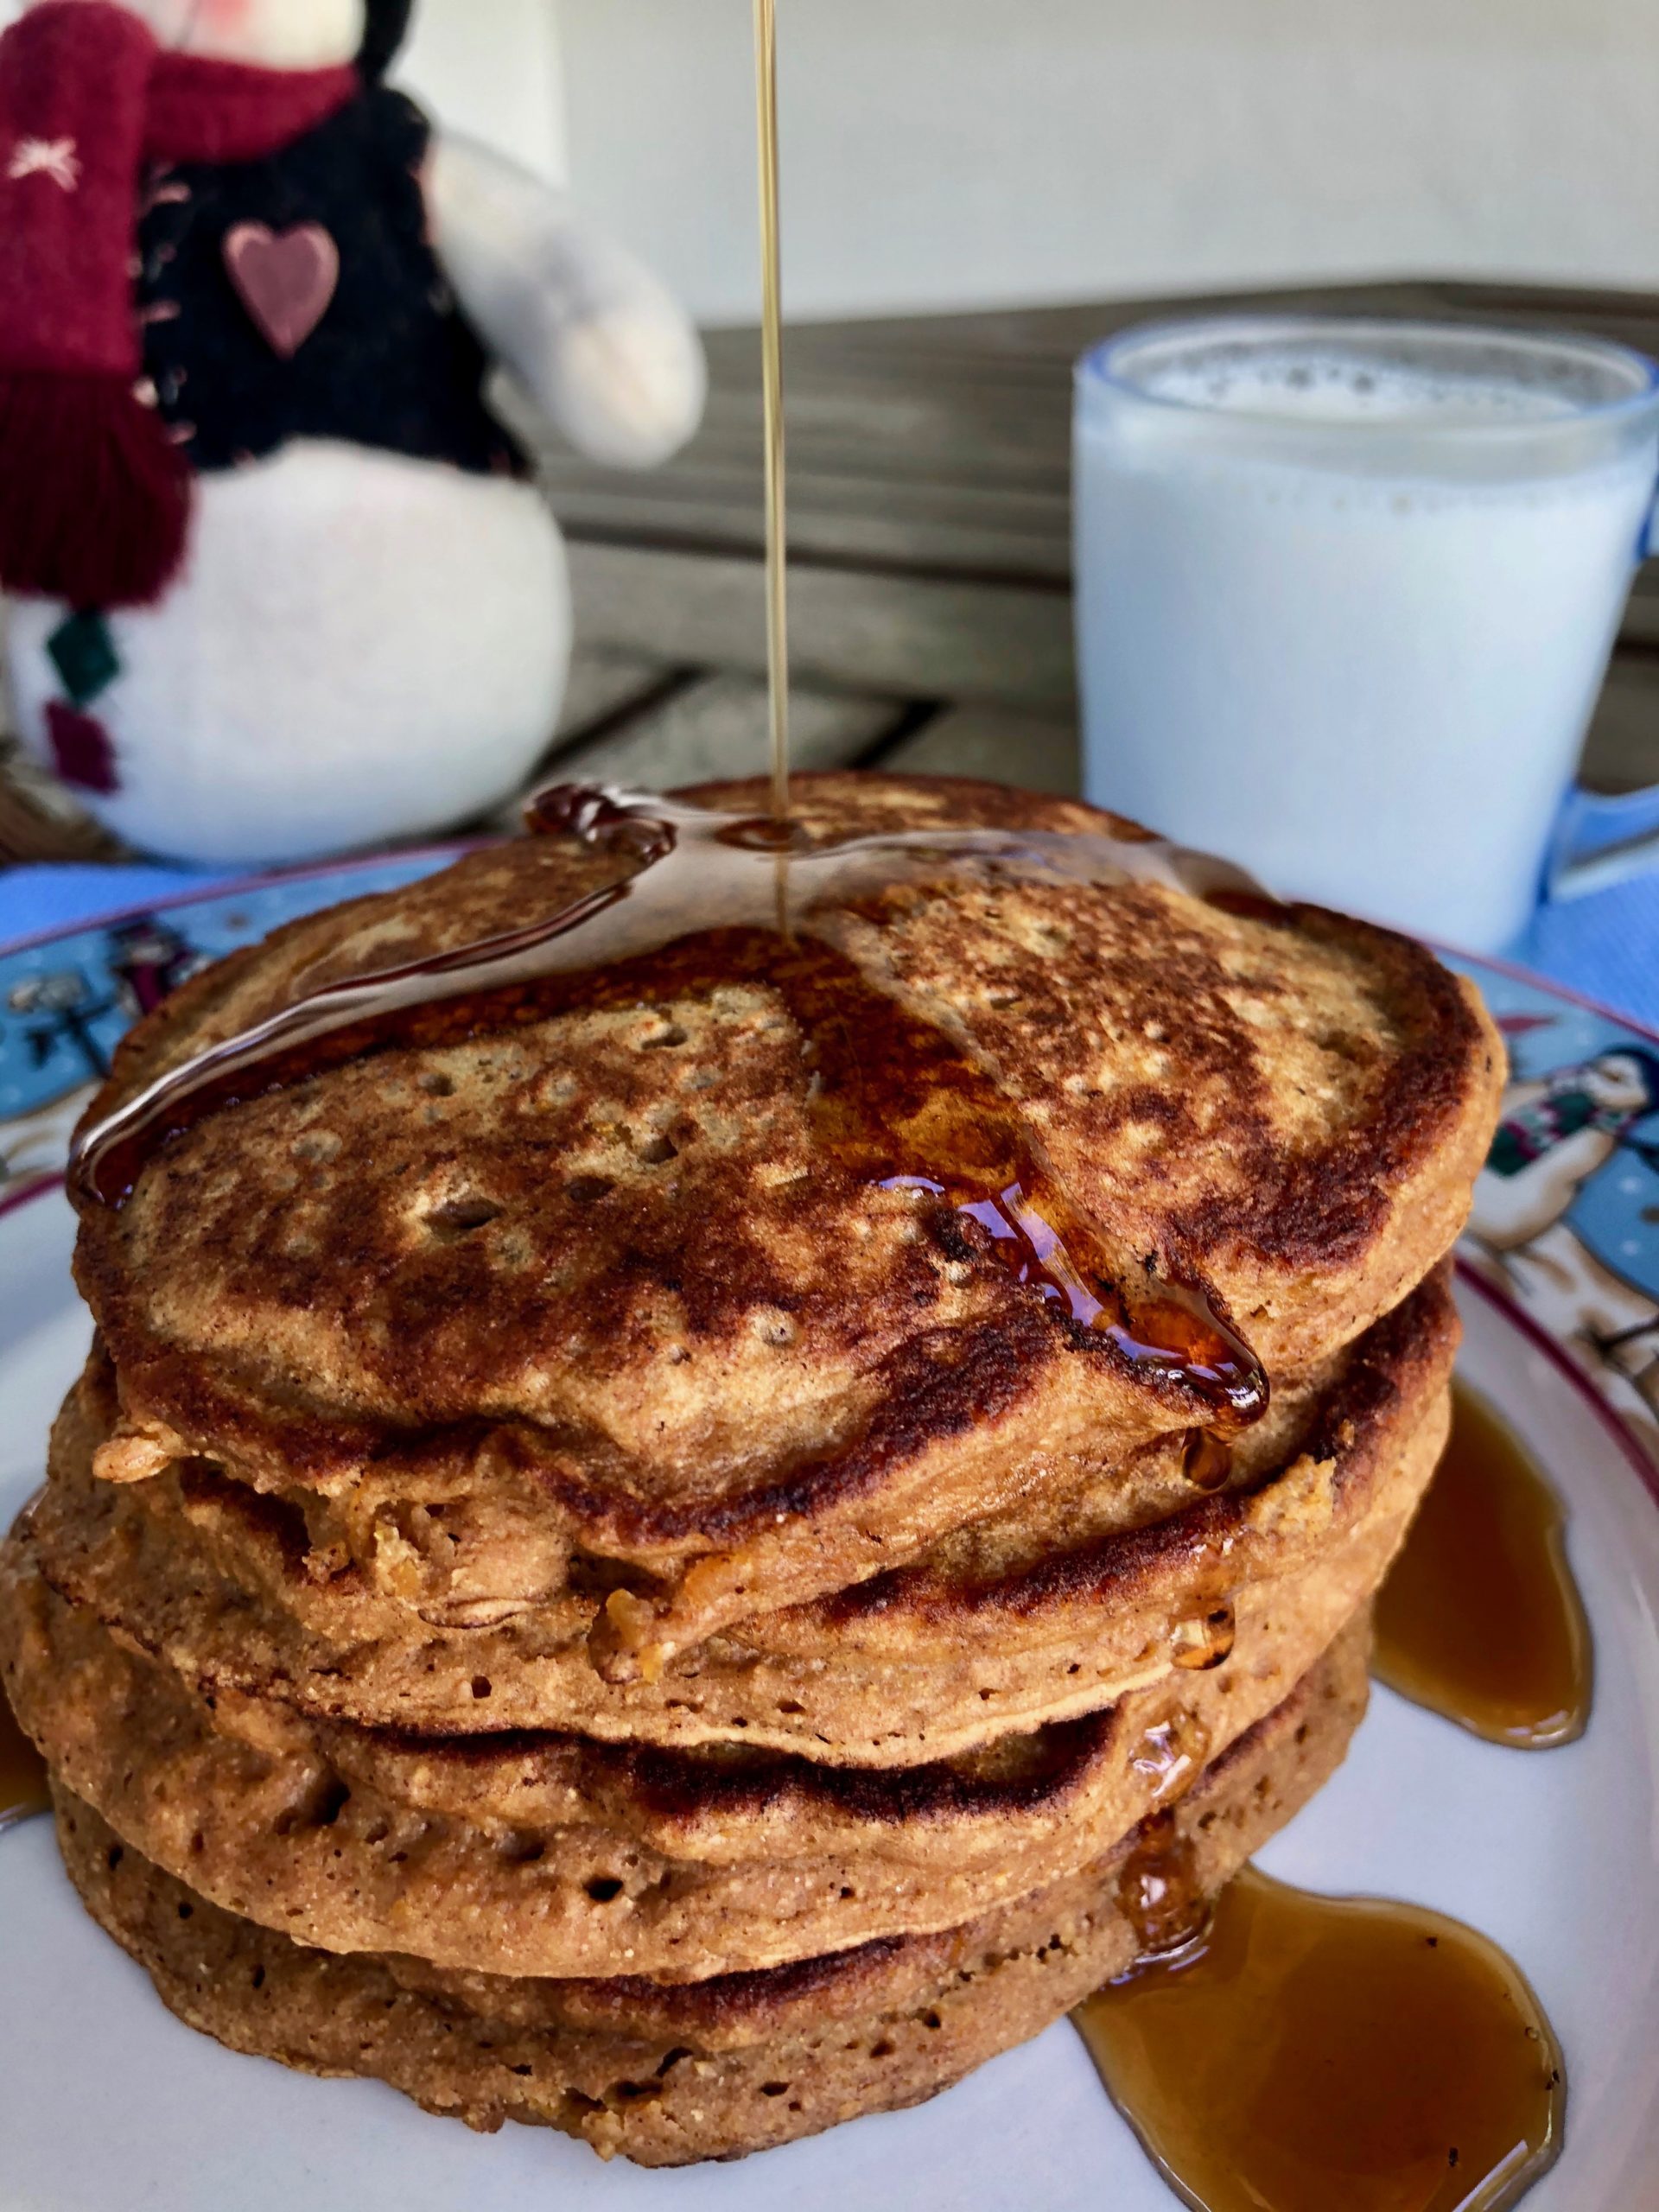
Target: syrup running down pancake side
(1480,1618)
(1302,2053)
(708,898)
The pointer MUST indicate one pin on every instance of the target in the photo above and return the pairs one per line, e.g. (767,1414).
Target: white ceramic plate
(106,2103)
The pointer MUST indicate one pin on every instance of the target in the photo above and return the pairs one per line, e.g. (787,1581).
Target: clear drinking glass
(1345,596)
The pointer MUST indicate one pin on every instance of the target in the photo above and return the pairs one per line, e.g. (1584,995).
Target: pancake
(665,2076)
(547,1855)
(630,1251)
(1022,1618)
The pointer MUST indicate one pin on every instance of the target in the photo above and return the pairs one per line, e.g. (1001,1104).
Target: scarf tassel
(96,497)
(96,503)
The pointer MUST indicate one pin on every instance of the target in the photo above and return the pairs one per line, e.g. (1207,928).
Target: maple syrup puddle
(1480,1618)
(1312,2054)
(897,1094)
(23,1772)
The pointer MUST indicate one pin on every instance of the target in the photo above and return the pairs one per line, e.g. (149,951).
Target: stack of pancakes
(562,1589)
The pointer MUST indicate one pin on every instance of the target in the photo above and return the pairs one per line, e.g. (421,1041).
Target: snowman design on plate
(280,583)
(1560,1130)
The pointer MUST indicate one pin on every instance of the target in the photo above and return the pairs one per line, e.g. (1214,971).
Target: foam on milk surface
(1301,384)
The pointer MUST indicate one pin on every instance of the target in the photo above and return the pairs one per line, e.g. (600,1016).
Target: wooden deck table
(930,550)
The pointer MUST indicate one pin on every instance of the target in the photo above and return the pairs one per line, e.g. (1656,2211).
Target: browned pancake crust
(554,1855)
(1021,1619)
(608,1249)
(715,2068)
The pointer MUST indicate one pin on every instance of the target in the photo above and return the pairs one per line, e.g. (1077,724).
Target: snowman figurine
(278,580)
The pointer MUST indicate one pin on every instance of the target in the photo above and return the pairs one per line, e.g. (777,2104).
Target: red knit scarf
(94,496)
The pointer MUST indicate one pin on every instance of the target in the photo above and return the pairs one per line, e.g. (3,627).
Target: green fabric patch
(83,654)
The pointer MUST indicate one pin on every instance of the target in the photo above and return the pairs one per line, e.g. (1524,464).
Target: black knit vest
(393,364)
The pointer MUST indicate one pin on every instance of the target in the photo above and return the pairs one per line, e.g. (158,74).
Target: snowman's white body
(360,645)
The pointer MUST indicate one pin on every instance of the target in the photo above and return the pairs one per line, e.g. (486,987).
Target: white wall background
(491,68)
(944,152)
(965,151)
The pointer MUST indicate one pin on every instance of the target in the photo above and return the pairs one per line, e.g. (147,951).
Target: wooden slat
(913,637)
(603,685)
(719,726)
(930,487)
(1039,752)
(1622,752)
(940,443)
(1640,626)
(930,558)
(39,820)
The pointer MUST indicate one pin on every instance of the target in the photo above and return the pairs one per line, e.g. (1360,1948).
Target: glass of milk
(1345,596)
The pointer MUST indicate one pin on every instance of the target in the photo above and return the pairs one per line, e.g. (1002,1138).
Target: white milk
(1344,604)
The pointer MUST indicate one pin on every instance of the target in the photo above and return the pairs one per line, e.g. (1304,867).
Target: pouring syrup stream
(771,373)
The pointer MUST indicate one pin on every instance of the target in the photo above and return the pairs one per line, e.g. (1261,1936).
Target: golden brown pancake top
(609,1242)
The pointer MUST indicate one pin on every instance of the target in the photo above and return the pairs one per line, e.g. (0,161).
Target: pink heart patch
(285,279)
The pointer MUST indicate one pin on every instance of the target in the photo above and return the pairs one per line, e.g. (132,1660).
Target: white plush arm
(602,349)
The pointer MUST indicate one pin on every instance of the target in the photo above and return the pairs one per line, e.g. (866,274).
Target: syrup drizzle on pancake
(1299,2053)
(898,1094)
(1480,1618)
